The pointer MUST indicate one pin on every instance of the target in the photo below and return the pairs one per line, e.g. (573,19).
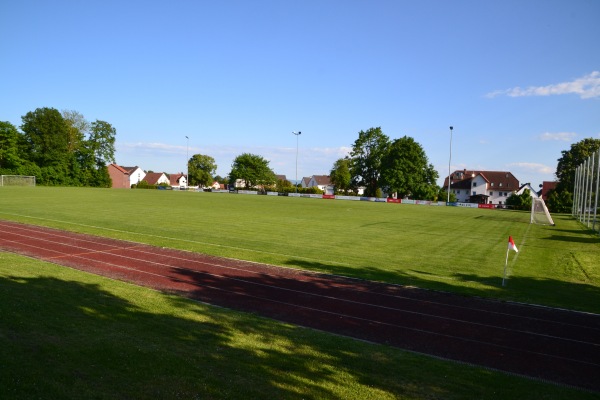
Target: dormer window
(500,184)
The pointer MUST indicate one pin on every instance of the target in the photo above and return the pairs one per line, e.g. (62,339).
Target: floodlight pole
(297,134)
(187,158)
(449,162)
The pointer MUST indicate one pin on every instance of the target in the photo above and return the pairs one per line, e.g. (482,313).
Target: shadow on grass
(67,339)
(554,293)
(324,302)
(574,239)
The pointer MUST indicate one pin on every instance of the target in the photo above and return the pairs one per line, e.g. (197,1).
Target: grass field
(68,334)
(65,334)
(442,248)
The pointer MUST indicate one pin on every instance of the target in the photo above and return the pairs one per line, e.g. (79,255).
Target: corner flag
(511,244)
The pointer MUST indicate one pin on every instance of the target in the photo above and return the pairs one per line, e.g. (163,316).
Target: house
(178,180)
(119,177)
(136,175)
(304,182)
(547,186)
(217,186)
(280,178)
(532,192)
(322,182)
(156,178)
(240,183)
(491,187)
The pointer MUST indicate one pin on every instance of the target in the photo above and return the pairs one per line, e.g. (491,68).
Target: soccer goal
(539,212)
(17,180)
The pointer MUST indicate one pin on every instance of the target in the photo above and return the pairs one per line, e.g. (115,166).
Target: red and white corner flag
(512,245)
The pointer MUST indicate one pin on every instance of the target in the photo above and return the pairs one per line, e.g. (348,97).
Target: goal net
(17,180)
(539,213)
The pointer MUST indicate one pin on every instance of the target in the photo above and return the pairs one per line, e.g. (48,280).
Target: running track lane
(556,345)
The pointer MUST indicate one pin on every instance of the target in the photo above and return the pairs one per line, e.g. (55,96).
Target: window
(492,184)
(500,184)
(474,184)
(491,193)
(474,193)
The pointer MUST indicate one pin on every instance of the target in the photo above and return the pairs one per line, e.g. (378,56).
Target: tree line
(58,148)
(560,199)
(376,164)
(63,148)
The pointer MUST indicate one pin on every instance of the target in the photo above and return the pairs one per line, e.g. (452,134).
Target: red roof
(174,178)
(120,169)
(153,177)
(496,179)
(322,179)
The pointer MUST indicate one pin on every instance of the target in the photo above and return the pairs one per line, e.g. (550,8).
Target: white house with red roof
(178,180)
(136,175)
(156,178)
(304,182)
(322,182)
(527,186)
(489,187)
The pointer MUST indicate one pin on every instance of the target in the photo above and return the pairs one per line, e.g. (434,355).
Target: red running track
(550,344)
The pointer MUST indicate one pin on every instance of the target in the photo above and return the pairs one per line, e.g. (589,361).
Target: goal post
(17,180)
(539,212)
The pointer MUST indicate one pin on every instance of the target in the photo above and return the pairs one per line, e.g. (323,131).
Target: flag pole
(511,246)
(505,264)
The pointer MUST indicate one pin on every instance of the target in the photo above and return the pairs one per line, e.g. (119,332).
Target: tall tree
(201,170)
(77,128)
(10,158)
(405,170)
(46,136)
(95,153)
(366,155)
(340,175)
(571,159)
(102,142)
(253,170)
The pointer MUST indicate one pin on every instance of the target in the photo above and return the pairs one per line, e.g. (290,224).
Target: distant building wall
(119,177)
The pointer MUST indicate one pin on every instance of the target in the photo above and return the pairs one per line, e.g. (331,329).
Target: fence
(585,192)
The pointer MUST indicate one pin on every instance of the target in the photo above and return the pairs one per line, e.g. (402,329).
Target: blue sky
(518,80)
